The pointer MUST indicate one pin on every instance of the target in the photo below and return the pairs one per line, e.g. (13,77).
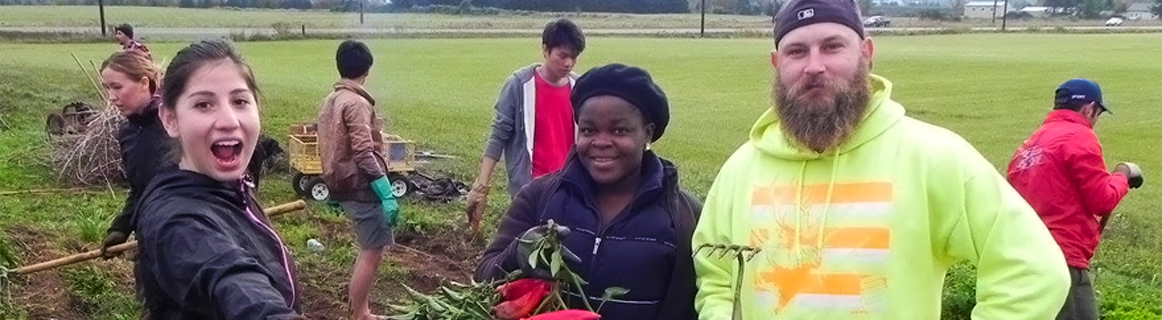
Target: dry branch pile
(92,156)
(89,155)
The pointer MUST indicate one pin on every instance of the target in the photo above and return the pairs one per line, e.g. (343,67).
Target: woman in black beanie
(630,223)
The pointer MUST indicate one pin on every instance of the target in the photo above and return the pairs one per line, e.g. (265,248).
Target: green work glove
(334,207)
(382,188)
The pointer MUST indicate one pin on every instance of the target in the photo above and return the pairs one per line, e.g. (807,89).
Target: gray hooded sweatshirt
(514,124)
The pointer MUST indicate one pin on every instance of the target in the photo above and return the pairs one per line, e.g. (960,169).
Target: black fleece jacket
(144,150)
(207,251)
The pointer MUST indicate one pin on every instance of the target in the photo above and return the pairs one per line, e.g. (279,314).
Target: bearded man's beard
(821,114)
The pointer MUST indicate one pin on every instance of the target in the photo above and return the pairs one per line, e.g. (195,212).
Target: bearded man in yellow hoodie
(858,211)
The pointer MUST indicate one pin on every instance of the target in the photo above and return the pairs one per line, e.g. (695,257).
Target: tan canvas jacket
(350,142)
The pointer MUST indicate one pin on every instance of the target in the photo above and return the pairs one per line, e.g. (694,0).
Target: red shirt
(140,47)
(553,131)
(1060,172)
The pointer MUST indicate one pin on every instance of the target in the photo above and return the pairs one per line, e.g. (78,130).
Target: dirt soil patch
(446,254)
(427,261)
(44,294)
(324,293)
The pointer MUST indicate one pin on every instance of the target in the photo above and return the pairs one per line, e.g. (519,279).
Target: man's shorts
(371,230)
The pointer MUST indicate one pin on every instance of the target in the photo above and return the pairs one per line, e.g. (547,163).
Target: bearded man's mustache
(821,124)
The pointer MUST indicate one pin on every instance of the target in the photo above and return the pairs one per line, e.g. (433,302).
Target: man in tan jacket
(354,169)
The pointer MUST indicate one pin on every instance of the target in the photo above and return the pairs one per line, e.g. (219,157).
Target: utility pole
(995,10)
(703,32)
(101,8)
(361,11)
(1005,17)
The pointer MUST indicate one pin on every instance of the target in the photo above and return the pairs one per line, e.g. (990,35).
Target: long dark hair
(191,59)
(194,57)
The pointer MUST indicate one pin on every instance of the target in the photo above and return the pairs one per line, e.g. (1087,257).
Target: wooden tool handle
(270,212)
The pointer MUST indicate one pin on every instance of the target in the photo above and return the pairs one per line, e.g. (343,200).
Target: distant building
(984,9)
(1139,11)
(888,3)
(1037,12)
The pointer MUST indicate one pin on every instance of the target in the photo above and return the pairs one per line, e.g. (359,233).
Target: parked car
(876,22)
(1114,21)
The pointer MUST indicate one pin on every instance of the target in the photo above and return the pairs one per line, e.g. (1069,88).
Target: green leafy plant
(518,296)
(548,250)
(8,263)
(457,302)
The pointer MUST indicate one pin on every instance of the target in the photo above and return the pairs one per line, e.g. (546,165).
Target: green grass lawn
(993,89)
(156,17)
(87,16)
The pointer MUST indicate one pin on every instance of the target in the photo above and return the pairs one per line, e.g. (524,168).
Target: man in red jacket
(1060,172)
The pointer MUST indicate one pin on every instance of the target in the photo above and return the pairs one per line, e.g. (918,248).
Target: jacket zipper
(278,241)
(589,203)
(601,231)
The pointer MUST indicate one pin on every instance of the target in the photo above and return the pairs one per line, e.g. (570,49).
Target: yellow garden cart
(307,168)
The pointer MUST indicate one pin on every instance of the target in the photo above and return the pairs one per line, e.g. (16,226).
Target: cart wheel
(400,186)
(55,125)
(299,184)
(317,189)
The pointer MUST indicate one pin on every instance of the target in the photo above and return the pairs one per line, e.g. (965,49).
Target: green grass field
(993,89)
(157,17)
(87,16)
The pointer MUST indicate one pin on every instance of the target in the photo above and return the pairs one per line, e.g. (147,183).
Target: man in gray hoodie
(533,125)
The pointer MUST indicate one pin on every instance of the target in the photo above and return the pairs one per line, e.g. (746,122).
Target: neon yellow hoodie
(869,231)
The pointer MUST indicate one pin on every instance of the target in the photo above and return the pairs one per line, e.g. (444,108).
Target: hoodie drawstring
(801,207)
(827,204)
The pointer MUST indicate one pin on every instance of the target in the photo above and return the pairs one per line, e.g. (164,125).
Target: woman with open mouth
(629,222)
(206,250)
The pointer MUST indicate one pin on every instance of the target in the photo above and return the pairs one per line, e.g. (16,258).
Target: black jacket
(645,249)
(144,151)
(207,251)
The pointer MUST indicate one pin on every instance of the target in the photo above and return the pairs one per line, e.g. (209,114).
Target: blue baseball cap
(1082,90)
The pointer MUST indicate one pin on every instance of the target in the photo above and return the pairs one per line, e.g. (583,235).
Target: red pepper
(521,298)
(520,287)
(518,308)
(571,314)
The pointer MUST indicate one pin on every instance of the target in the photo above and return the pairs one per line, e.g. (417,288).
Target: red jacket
(1060,172)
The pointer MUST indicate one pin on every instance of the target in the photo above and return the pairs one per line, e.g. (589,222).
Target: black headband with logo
(799,13)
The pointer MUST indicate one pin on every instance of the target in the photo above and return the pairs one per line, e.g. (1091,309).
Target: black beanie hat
(799,13)
(126,29)
(630,83)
